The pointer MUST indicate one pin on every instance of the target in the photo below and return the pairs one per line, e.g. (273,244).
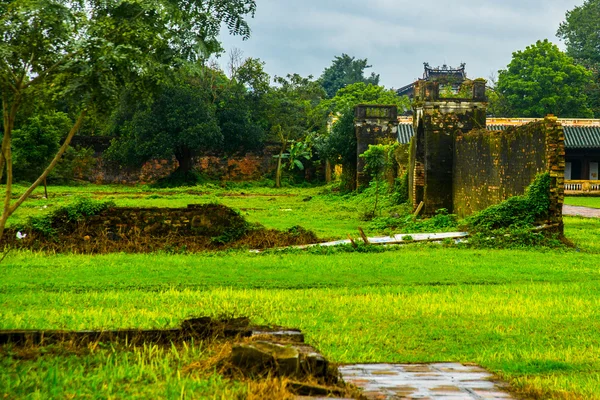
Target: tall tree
(241,106)
(543,80)
(179,122)
(87,49)
(344,71)
(291,107)
(580,32)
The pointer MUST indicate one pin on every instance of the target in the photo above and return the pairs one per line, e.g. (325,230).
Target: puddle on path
(450,381)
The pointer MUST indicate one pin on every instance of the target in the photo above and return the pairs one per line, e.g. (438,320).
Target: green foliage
(344,71)
(178,123)
(580,32)
(92,48)
(362,93)
(517,211)
(376,158)
(401,189)
(71,213)
(77,162)
(542,80)
(298,151)
(241,107)
(519,237)
(339,145)
(36,141)
(465,91)
(440,222)
(291,114)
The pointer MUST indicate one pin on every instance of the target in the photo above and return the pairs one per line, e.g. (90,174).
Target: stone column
(373,124)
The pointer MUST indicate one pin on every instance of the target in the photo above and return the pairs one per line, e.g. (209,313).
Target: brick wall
(491,166)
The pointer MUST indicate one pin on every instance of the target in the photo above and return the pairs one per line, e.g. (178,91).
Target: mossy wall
(491,166)
(437,124)
(373,124)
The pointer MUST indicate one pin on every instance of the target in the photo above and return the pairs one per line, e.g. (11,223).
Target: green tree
(291,113)
(344,71)
(86,50)
(543,80)
(241,107)
(179,122)
(340,146)
(36,142)
(580,34)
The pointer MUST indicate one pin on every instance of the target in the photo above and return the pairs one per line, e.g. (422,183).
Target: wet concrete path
(451,381)
(581,211)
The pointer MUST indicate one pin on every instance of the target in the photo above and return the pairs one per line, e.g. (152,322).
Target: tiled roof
(405,132)
(579,134)
(582,137)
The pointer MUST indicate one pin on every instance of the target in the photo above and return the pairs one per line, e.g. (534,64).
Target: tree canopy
(580,31)
(346,70)
(85,51)
(291,113)
(543,80)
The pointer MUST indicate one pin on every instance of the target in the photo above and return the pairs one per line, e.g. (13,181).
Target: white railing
(580,187)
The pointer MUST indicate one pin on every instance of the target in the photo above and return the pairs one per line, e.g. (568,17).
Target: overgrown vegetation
(516,212)
(512,223)
(62,219)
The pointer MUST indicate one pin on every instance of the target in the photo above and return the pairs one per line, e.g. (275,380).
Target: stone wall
(456,164)
(491,166)
(195,220)
(246,167)
(373,124)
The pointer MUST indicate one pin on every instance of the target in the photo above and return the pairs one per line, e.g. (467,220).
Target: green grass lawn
(530,316)
(593,202)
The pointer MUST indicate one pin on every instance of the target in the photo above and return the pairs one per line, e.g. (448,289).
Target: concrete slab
(451,381)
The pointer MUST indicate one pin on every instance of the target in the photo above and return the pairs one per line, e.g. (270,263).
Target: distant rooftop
(444,74)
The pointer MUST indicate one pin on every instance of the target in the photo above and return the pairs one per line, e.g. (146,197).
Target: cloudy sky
(397,36)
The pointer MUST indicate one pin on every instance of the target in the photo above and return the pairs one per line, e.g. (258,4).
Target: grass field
(530,316)
(593,202)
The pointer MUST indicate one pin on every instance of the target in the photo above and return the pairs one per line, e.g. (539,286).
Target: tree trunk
(185,159)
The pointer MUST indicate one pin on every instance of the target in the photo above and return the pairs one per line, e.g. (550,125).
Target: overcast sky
(397,36)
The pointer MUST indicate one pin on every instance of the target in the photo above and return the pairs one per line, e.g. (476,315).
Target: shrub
(517,211)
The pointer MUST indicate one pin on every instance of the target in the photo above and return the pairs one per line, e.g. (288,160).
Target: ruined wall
(491,166)
(251,166)
(437,122)
(458,165)
(196,219)
(373,124)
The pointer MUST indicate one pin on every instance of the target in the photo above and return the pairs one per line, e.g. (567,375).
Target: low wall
(491,166)
(195,220)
